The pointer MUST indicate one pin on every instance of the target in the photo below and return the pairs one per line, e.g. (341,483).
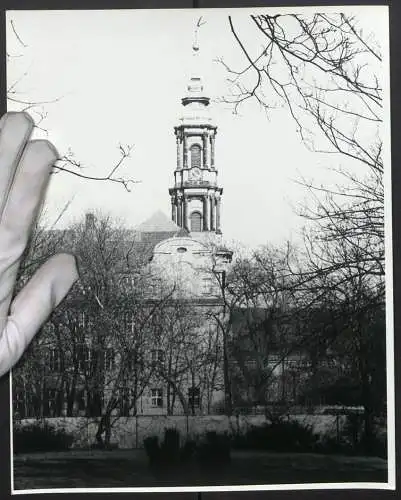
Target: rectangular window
(128,322)
(251,364)
(157,398)
(81,401)
(83,357)
(127,402)
(26,404)
(19,404)
(54,360)
(108,359)
(206,286)
(50,403)
(133,360)
(95,403)
(81,320)
(157,357)
(194,397)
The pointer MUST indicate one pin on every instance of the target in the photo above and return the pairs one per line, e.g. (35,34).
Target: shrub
(353,429)
(152,449)
(283,435)
(188,451)
(361,443)
(170,448)
(39,437)
(331,445)
(214,449)
(166,453)
(374,446)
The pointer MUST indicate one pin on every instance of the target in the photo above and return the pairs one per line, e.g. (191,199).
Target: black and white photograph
(222,182)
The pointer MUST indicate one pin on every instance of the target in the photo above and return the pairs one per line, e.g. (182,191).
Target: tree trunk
(104,428)
(227,382)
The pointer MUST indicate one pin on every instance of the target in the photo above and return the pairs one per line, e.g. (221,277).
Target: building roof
(158,223)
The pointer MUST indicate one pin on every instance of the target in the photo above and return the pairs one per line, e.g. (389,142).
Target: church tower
(196,195)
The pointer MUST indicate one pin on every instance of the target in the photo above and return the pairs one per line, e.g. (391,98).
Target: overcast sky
(119,77)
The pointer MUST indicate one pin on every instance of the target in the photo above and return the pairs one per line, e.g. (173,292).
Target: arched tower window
(196,222)
(195,156)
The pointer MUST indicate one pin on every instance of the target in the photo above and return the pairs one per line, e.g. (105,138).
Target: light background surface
(118,77)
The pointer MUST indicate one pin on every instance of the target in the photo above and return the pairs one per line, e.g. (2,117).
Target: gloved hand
(25,168)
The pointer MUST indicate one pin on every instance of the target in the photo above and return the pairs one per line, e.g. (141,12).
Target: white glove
(25,168)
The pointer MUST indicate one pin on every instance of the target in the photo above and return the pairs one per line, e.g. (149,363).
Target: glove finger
(15,131)
(21,208)
(33,305)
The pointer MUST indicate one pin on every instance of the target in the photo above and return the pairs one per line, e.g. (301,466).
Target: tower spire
(195,86)
(195,45)
(196,194)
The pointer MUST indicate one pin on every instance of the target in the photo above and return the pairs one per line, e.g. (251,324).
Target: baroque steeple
(196,196)
(195,88)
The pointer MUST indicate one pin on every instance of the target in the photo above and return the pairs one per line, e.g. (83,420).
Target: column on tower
(206,213)
(173,210)
(212,204)
(218,200)
(179,159)
(186,214)
(212,151)
(205,138)
(185,140)
(179,209)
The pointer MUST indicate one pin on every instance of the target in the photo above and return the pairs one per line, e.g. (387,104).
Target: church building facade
(195,259)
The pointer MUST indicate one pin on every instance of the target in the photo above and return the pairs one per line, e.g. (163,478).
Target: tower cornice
(183,126)
(190,99)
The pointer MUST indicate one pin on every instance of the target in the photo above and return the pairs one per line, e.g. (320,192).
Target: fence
(130,432)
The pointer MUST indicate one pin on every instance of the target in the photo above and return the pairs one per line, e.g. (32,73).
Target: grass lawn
(129,468)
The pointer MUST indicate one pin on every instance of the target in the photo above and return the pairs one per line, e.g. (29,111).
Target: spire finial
(195,85)
(195,46)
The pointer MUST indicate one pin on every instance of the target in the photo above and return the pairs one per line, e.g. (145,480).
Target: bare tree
(325,70)
(38,109)
(265,339)
(122,329)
